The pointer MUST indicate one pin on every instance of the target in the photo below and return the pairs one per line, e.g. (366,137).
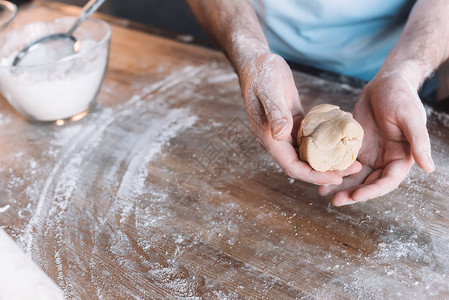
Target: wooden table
(162,192)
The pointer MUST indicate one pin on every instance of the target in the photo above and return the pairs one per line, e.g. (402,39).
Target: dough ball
(329,138)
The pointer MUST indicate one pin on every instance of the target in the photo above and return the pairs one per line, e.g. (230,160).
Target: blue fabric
(351,37)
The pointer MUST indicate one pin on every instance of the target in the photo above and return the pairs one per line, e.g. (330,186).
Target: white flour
(57,92)
(4,208)
(103,207)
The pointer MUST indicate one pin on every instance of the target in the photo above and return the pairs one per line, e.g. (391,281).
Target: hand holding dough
(329,138)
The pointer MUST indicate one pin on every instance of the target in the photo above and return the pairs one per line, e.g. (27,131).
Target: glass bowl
(8,11)
(55,90)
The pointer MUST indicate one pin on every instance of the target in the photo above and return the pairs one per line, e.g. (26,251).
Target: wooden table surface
(162,191)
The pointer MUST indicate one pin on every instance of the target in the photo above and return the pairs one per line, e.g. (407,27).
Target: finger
(374,176)
(391,177)
(348,182)
(352,169)
(280,99)
(344,196)
(283,152)
(414,127)
(278,115)
(287,158)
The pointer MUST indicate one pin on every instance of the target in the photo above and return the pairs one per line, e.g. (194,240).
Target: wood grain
(162,191)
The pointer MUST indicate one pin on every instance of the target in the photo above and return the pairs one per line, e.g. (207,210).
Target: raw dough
(329,138)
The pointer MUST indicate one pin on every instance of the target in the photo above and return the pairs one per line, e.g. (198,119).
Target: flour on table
(4,208)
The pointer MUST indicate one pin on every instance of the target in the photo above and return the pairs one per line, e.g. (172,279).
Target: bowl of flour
(47,90)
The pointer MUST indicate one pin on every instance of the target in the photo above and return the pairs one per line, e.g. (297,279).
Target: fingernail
(322,191)
(337,181)
(359,199)
(339,204)
(430,160)
(278,127)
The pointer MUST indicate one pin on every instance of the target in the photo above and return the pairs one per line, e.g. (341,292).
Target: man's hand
(394,121)
(391,112)
(275,112)
(267,83)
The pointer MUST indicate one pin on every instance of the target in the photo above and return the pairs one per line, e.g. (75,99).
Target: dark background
(170,15)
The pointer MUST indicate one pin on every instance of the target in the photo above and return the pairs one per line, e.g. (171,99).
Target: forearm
(234,26)
(423,45)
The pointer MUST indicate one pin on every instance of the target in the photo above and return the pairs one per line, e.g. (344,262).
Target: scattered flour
(148,226)
(159,132)
(132,134)
(4,208)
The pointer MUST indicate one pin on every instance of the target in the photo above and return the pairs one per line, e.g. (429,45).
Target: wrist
(245,52)
(412,71)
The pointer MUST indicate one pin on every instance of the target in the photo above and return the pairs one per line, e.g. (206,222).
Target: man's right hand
(267,83)
(275,112)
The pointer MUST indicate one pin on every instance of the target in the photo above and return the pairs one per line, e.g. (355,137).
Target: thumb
(278,115)
(413,124)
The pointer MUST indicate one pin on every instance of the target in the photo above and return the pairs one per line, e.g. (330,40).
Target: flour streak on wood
(162,191)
